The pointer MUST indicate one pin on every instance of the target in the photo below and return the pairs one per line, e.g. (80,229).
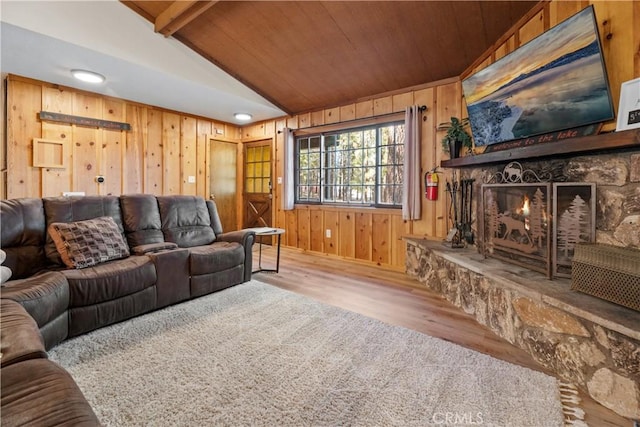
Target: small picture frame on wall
(49,153)
(629,108)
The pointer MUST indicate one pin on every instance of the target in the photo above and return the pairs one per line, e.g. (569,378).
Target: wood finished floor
(395,298)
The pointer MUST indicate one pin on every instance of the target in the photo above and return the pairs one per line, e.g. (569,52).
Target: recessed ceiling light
(243,116)
(88,76)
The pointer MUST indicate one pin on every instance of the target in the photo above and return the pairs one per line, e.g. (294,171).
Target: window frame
(324,167)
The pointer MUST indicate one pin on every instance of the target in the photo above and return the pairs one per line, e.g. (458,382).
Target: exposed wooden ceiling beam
(179,14)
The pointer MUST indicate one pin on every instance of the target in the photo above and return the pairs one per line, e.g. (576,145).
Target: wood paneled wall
(366,234)
(374,235)
(164,147)
(157,156)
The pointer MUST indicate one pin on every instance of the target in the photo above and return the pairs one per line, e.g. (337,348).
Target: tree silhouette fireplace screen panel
(516,220)
(574,210)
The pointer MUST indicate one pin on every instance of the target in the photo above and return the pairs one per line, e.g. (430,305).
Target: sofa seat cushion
(85,243)
(109,280)
(218,256)
(39,392)
(20,338)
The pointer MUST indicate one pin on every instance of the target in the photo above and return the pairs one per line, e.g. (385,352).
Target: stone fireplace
(504,280)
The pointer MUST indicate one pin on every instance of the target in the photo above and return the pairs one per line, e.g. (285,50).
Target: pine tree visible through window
(360,166)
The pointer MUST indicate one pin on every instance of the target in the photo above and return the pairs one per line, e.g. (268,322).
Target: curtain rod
(421,108)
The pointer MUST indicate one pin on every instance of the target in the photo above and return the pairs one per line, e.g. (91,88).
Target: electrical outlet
(328,233)
(279,180)
(72,193)
(191,179)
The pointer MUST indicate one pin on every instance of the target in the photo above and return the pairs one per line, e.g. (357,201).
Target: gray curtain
(411,190)
(288,184)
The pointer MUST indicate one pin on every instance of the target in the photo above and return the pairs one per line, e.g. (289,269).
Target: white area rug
(258,355)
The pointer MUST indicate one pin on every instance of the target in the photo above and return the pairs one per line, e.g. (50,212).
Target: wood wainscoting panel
(304,229)
(380,238)
(331,223)
(86,163)
(24,102)
(316,230)
(153,155)
(171,153)
(188,154)
(363,236)
(54,181)
(347,244)
(134,149)
(112,148)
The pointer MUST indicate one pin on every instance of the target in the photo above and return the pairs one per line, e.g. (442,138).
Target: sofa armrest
(45,296)
(20,337)
(172,270)
(246,238)
(152,248)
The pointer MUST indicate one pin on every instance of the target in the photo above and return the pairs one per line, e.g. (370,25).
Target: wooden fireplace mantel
(580,145)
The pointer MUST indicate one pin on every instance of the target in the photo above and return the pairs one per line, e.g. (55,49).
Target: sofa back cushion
(22,236)
(185,220)
(71,209)
(141,219)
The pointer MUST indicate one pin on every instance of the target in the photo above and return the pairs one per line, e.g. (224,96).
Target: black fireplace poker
(466,186)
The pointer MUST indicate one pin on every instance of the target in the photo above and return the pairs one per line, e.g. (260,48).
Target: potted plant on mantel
(456,137)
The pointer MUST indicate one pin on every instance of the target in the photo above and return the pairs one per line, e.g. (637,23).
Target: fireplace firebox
(517,224)
(535,224)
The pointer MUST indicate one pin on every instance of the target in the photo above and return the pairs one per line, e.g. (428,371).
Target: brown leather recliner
(108,292)
(217,260)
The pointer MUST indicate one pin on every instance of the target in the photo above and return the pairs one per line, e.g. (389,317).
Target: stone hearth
(585,340)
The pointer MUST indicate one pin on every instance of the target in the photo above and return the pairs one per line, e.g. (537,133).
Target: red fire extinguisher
(431,185)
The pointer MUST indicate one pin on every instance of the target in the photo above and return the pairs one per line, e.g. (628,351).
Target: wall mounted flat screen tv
(556,81)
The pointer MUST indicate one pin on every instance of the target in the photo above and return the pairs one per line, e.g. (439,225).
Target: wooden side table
(267,231)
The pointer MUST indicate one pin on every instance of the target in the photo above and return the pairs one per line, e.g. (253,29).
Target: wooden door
(223,181)
(257,184)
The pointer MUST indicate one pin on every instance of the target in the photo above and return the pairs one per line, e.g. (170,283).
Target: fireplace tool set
(460,211)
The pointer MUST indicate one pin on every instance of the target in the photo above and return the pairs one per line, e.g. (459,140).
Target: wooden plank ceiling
(307,55)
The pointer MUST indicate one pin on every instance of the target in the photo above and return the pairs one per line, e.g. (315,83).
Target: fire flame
(525,209)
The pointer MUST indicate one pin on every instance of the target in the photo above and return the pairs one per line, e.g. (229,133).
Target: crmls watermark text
(457,418)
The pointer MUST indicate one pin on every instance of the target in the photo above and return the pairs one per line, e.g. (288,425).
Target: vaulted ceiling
(307,55)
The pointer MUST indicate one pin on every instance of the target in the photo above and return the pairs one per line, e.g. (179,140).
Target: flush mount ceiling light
(88,76)
(243,116)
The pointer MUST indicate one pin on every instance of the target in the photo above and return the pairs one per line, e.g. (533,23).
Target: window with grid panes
(361,166)
(258,169)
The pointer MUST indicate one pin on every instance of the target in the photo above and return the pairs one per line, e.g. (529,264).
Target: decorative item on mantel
(629,108)
(456,137)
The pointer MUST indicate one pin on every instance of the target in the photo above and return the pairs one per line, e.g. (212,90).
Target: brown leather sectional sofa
(177,251)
